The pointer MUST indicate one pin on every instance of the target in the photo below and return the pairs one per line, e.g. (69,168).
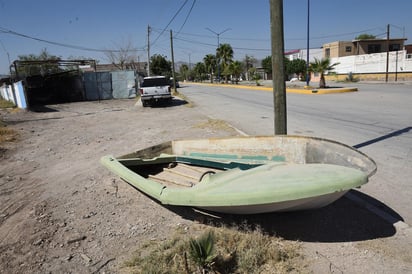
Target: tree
(199,71)
(365,36)
(210,64)
(286,62)
(267,64)
(249,63)
(159,65)
(296,66)
(322,66)
(236,68)
(184,71)
(40,68)
(123,57)
(224,54)
(225,72)
(254,75)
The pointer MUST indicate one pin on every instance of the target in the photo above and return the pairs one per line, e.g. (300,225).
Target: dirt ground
(62,212)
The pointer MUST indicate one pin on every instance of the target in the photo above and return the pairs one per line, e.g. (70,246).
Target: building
(302,54)
(360,47)
(408,49)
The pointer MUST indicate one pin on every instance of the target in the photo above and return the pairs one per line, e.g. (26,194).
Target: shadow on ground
(342,221)
(42,108)
(175,103)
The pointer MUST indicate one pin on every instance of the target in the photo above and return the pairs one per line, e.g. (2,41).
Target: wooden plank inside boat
(181,175)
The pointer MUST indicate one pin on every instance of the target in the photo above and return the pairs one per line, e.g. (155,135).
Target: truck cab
(155,89)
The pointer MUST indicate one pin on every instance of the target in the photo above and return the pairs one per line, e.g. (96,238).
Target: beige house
(359,47)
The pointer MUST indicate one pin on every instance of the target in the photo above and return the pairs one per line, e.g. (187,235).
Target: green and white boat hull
(245,175)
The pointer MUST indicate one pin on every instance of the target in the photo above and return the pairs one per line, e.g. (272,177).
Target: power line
(8,31)
(252,49)
(334,35)
(268,40)
(212,37)
(214,45)
(168,24)
(195,42)
(187,17)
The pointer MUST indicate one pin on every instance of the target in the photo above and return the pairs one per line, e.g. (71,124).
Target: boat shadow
(346,220)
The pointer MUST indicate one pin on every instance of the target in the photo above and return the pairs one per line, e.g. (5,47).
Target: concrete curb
(291,90)
(321,91)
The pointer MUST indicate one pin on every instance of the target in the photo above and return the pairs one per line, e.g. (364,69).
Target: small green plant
(7,134)
(6,104)
(256,78)
(322,66)
(237,249)
(202,251)
(351,78)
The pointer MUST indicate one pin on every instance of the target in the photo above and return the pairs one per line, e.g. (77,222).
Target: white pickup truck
(155,89)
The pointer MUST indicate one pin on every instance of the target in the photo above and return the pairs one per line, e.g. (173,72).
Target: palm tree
(236,69)
(210,63)
(224,54)
(184,71)
(199,71)
(322,66)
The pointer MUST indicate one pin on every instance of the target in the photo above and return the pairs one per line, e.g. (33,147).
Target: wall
(109,85)
(400,76)
(313,53)
(123,84)
(53,90)
(6,93)
(373,63)
(17,96)
(97,86)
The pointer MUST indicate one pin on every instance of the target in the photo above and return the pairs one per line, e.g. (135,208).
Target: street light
(218,45)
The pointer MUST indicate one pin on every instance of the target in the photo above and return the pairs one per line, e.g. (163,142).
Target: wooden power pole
(387,52)
(148,50)
(278,67)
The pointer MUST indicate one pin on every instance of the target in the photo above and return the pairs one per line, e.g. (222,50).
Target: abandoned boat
(245,175)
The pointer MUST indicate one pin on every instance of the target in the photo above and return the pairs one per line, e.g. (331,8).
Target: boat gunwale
(168,147)
(371,169)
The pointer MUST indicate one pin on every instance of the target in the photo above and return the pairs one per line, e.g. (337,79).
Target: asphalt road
(377,119)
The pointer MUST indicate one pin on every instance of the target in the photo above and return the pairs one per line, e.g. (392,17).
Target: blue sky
(100,25)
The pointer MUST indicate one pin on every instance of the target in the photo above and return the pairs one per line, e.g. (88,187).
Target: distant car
(177,83)
(155,89)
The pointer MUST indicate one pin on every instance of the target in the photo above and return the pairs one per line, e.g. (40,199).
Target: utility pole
(387,52)
(148,50)
(396,66)
(173,61)
(189,62)
(307,47)
(218,45)
(278,67)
